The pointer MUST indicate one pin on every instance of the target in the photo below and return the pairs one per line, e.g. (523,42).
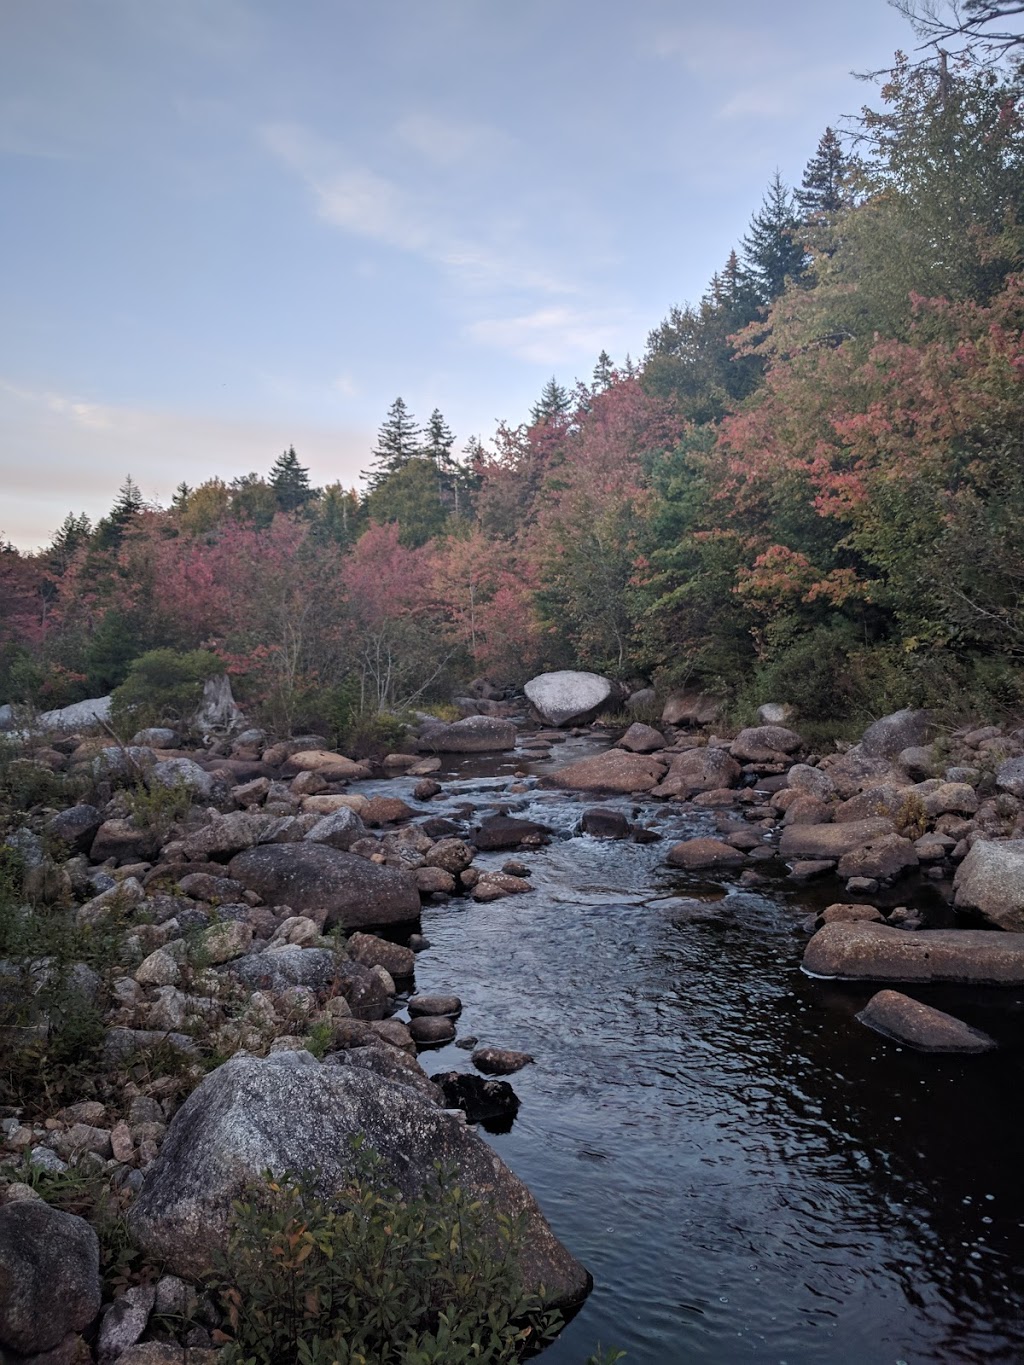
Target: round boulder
(317,880)
(49,1276)
(568,697)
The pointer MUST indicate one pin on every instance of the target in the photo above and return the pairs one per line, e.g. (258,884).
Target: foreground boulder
(328,885)
(569,697)
(613,771)
(49,1276)
(878,952)
(902,730)
(699,770)
(287,1113)
(472,735)
(929,1030)
(990,881)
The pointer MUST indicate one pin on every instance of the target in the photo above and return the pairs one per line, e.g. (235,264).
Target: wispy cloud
(551,336)
(446,142)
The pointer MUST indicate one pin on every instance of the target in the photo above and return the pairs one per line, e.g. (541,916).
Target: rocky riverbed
(552,954)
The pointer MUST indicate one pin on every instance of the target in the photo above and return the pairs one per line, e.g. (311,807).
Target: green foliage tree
(553,405)
(290,482)
(128,505)
(399,440)
(162,685)
(410,496)
(824,190)
(772,250)
(253,500)
(604,373)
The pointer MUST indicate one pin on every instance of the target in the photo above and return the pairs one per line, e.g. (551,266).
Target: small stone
(121,1143)
(125,1320)
(432,1030)
(499,1061)
(449,1005)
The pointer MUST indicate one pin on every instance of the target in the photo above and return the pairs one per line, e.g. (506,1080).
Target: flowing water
(748,1172)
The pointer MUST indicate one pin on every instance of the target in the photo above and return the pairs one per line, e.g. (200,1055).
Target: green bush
(162,685)
(370,1278)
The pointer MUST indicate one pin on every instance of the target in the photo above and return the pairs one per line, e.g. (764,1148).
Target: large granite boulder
(288,1113)
(699,770)
(571,698)
(831,841)
(921,1026)
(471,735)
(328,885)
(49,1276)
(902,730)
(332,767)
(613,771)
(642,739)
(990,881)
(765,744)
(878,952)
(77,826)
(78,716)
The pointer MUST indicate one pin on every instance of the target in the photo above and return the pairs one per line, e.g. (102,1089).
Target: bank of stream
(749,1173)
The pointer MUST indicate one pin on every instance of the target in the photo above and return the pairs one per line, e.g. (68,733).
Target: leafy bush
(162,685)
(157,806)
(370,1278)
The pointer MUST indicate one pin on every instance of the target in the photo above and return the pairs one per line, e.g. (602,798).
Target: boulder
(699,770)
(697,854)
(905,729)
(78,716)
(777,713)
(884,801)
(471,735)
(479,1099)
(431,1030)
(122,841)
(852,772)
(918,761)
(499,1061)
(497,832)
(340,829)
(688,707)
(76,826)
(1010,777)
(327,884)
(765,743)
(385,810)
(831,841)
(379,952)
(952,798)
(49,1276)
(185,774)
(990,881)
(604,822)
(921,1026)
(286,964)
(887,856)
(330,766)
(642,739)
(641,700)
(811,781)
(878,952)
(286,1112)
(569,697)
(615,771)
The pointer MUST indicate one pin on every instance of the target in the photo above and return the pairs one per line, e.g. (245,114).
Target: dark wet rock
(920,1026)
(434,1005)
(699,770)
(615,771)
(831,841)
(990,881)
(805,869)
(887,856)
(696,854)
(512,868)
(49,1276)
(570,697)
(498,832)
(604,822)
(498,1061)
(439,827)
(426,789)
(471,735)
(122,841)
(434,881)
(327,884)
(379,952)
(479,1099)
(286,1112)
(203,887)
(432,1030)
(879,952)
(76,826)
(642,739)
(902,730)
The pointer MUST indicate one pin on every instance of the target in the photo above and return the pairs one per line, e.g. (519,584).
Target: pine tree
(127,506)
(823,193)
(181,496)
(73,533)
(438,442)
(604,373)
(771,249)
(290,481)
(398,441)
(553,404)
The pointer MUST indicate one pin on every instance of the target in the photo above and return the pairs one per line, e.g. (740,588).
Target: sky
(232,226)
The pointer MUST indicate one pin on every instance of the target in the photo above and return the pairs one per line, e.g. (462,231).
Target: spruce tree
(127,506)
(553,404)
(290,481)
(438,442)
(822,193)
(398,441)
(604,372)
(772,250)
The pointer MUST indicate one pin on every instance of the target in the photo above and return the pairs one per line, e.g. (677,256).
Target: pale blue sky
(232,225)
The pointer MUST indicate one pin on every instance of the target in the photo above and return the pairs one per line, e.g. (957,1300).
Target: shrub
(162,685)
(370,1278)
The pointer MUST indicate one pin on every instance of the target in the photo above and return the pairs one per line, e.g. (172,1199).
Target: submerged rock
(920,1026)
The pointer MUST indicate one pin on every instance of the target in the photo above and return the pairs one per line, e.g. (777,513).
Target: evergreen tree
(398,442)
(181,496)
(822,193)
(553,404)
(339,515)
(128,505)
(772,250)
(253,500)
(290,481)
(604,373)
(438,442)
(74,532)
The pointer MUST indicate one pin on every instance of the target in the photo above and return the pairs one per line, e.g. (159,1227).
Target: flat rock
(694,854)
(471,735)
(319,881)
(613,771)
(990,881)
(497,832)
(920,1026)
(831,841)
(889,855)
(570,697)
(331,767)
(878,952)
(287,1112)
(764,743)
(499,1061)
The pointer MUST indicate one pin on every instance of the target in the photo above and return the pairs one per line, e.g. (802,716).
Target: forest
(809,488)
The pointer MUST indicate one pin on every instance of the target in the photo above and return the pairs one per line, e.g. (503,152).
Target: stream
(748,1172)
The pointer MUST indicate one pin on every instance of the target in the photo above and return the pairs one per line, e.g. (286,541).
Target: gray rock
(765,743)
(328,885)
(902,730)
(878,952)
(49,1276)
(183,773)
(340,829)
(687,707)
(918,762)
(568,697)
(921,1026)
(80,715)
(284,965)
(813,781)
(990,881)
(126,763)
(430,1030)
(286,1112)
(642,739)
(158,737)
(641,700)
(777,713)
(1010,776)
(699,770)
(471,735)
(76,826)
(125,1321)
